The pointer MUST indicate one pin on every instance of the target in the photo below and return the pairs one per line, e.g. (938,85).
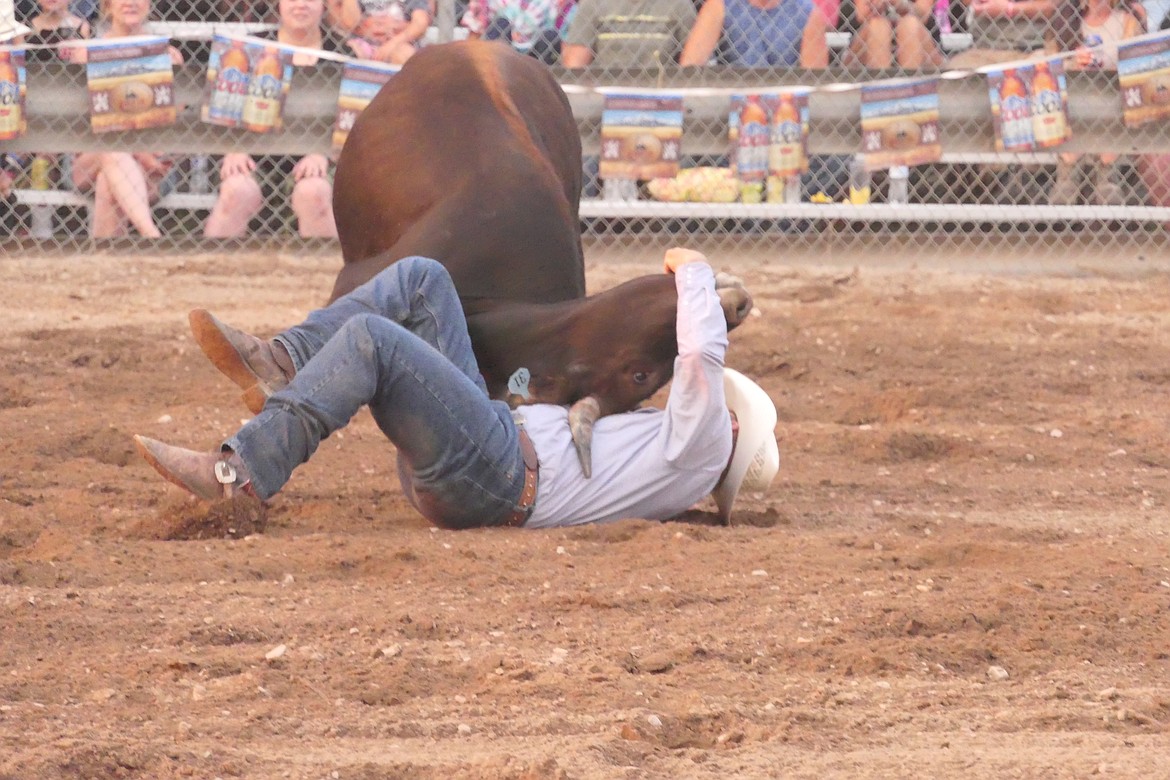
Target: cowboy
(399,344)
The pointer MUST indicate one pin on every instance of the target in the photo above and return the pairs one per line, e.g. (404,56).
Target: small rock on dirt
(997,673)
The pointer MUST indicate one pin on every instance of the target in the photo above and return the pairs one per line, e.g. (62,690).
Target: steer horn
(582,415)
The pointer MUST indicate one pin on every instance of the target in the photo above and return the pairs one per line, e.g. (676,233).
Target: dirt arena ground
(962,570)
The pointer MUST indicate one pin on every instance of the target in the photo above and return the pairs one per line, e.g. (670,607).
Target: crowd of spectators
(883,34)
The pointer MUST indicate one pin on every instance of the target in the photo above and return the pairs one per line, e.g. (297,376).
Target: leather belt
(528,494)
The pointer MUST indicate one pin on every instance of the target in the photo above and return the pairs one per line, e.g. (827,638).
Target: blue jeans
(398,343)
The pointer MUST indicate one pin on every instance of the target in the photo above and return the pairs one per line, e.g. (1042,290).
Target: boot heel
(255,397)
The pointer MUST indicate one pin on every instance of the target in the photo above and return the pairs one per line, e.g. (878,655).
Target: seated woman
(894,32)
(124,183)
(1100,26)
(759,34)
(241,196)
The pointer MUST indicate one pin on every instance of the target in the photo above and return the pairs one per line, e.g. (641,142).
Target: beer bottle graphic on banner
(231,84)
(262,106)
(10,113)
(1049,127)
(1015,113)
(752,152)
(786,151)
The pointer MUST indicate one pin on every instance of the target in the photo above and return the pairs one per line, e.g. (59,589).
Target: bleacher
(315,102)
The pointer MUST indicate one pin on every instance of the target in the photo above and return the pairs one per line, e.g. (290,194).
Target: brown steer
(470,155)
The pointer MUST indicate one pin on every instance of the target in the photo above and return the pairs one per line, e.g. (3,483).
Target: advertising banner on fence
(12,91)
(641,136)
(751,145)
(1050,125)
(268,85)
(360,81)
(1143,70)
(788,134)
(768,135)
(1029,106)
(899,123)
(1010,91)
(247,82)
(131,84)
(228,70)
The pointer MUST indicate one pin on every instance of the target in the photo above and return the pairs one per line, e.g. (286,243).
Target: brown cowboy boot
(211,476)
(260,367)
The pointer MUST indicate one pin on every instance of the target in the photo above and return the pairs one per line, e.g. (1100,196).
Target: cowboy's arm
(696,413)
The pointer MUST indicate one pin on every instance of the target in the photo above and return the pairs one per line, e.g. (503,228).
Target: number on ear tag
(518,383)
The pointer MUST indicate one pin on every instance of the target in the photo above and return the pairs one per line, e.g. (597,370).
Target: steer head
(601,355)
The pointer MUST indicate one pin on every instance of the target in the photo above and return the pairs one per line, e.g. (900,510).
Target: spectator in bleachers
(56,23)
(624,34)
(124,184)
(627,33)
(568,12)
(759,34)
(1006,30)
(304,182)
(1155,168)
(11,167)
(893,32)
(1101,25)
(763,34)
(529,25)
(389,31)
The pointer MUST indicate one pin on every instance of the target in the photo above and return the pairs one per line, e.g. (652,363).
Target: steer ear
(582,416)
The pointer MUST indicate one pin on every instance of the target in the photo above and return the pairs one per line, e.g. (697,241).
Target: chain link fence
(1109,185)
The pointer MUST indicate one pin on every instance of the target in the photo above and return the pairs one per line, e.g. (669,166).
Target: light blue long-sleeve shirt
(649,463)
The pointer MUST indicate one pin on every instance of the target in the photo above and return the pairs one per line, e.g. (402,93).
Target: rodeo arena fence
(776,157)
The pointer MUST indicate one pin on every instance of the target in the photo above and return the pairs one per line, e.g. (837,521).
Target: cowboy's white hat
(756,458)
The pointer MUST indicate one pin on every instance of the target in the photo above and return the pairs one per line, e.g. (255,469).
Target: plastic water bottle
(899,191)
(620,189)
(942,16)
(41,223)
(200,182)
(792,189)
(858,181)
(1092,40)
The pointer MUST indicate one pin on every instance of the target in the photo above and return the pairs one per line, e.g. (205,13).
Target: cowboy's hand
(677,256)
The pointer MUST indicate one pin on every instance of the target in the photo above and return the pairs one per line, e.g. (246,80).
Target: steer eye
(640,377)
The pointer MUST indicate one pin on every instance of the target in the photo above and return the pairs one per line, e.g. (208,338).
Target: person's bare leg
(128,189)
(239,200)
(1066,186)
(312,202)
(873,44)
(107,220)
(86,167)
(914,46)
